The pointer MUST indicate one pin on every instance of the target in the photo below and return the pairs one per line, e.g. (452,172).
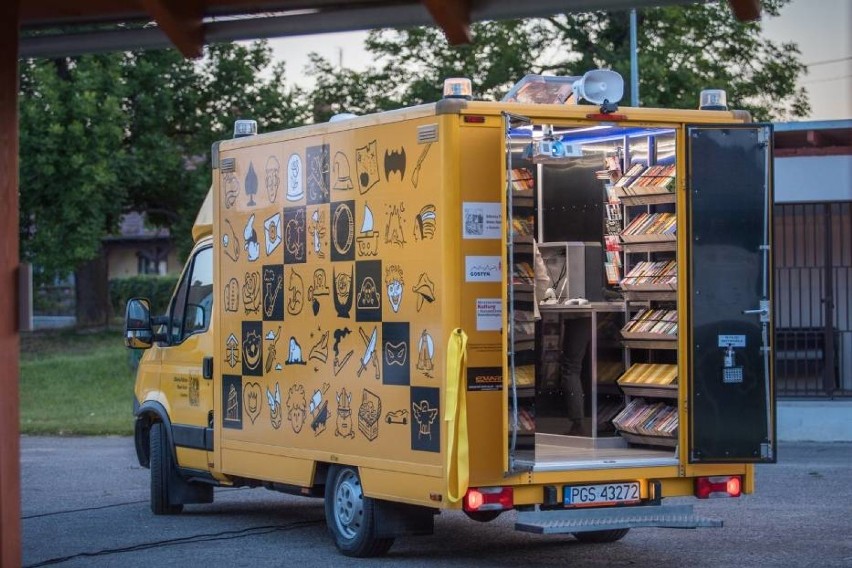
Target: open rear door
(731,390)
(520,340)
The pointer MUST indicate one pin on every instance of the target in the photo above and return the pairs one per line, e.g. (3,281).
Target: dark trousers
(576,337)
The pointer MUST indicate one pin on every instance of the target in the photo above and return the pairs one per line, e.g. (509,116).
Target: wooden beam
(10,463)
(181,22)
(453,16)
(745,10)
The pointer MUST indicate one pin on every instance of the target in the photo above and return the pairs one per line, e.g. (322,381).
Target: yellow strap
(455,415)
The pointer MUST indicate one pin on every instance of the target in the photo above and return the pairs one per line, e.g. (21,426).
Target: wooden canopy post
(10,476)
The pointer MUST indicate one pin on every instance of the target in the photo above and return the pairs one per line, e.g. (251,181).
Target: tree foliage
(71,124)
(682,50)
(103,135)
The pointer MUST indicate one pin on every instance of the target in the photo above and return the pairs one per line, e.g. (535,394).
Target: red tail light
(719,486)
(474,119)
(489,499)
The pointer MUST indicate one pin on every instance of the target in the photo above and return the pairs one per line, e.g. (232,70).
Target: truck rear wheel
(350,516)
(601,537)
(161,471)
(483,516)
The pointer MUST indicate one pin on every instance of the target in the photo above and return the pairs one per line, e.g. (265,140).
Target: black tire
(350,516)
(161,471)
(483,516)
(601,537)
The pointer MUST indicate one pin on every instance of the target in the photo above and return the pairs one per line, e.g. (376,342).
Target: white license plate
(604,494)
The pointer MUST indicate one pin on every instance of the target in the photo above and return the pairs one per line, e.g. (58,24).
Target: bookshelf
(523,223)
(648,241)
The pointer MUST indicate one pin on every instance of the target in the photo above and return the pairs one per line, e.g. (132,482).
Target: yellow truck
(556,309)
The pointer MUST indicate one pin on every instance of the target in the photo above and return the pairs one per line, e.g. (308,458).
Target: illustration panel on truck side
(329,255)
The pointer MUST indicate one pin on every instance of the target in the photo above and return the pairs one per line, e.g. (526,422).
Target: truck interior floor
(558,457)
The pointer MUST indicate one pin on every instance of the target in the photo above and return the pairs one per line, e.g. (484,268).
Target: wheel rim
(348,504)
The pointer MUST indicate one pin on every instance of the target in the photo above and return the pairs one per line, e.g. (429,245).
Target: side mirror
(138,333)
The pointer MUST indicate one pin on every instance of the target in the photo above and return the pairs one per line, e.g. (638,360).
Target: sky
(821,28)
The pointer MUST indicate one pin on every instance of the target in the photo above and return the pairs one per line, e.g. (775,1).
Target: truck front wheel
(161,471)
(350,516)
(601,537)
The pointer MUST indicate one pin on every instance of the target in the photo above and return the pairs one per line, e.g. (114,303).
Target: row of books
(656,321)
(607,411)
(630,175)
(522,179)
(611,171)
(525,375)
(526,418)
(639,417)
(649,374)
(648,272)
(524,273)
(522,226)
(613,272)
(656,179)
(652,224)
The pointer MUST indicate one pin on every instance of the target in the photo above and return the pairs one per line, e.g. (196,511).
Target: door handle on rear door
(762,311)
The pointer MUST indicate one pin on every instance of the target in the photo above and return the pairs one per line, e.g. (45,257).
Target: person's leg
(577,334)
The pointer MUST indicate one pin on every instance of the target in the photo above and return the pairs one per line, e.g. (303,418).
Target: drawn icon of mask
(396,353)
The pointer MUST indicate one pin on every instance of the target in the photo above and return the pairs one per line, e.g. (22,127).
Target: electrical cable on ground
(224,535)
(123,504)
(68,511)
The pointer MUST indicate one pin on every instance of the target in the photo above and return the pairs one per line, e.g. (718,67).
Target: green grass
(76,383)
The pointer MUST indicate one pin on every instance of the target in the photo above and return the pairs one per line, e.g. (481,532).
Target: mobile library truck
(560,309)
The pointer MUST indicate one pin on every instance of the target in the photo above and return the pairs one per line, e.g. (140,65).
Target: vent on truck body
(427,133)
(228,165)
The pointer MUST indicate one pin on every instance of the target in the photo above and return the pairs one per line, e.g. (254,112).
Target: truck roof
(581,113)
(203,225)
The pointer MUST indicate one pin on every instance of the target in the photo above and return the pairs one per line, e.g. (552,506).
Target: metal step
(585,520)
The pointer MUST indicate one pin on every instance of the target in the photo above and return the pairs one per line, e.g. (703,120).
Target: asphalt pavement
(85,503)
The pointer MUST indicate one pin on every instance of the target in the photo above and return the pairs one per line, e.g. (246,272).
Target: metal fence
(813,299)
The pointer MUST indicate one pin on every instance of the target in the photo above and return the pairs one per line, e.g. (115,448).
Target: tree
(103,135)
(682,50)
(413,63)
(71,126)
(178,108)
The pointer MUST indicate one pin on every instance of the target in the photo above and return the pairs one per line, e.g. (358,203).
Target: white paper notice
(482,269)
(482,220)
(489,314)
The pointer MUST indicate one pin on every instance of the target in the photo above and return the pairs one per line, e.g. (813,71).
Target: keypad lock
(731,372)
